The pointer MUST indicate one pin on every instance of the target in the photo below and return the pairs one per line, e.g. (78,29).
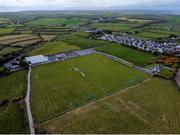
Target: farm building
(35,60)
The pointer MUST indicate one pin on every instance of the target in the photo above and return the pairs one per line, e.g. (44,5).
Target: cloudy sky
(16,5)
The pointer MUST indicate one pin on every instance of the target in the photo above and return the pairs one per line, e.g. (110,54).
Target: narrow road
(30,118)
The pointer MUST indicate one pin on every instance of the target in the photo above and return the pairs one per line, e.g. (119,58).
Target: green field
(48,37)
(136,20)
(54,47)
(80,34)
(8,50)
(134,56)
(6,30)
(4,21)
(166,73)
(12,86)
(58,21)
(151,107)
(152,35)
(13,119)
(77,81)
(82,42)
(113,26)
(165,32)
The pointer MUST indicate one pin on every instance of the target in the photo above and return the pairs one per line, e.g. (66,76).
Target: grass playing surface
(77,81)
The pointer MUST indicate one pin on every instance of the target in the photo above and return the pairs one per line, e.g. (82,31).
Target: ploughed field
(77,81)
(149,107)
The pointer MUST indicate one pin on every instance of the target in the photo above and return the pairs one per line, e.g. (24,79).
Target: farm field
(152,35)
(48,37)
(51,30)
(159,31)
(7,50)
(135,20)
(4,21)
(13,119)
(80,34)
(11,37)
(58,21)
(17,40)
(75,82)
(54,47)
(150,107)
(6,30)
(113,26)
(26,43)
(12,86)
(23,31)
(82,42)
(134,56)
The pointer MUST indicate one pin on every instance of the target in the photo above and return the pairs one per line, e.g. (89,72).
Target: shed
(39,59)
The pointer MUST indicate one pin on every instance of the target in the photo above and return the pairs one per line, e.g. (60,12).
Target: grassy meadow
(150,107)
(12,86)
(54,47)
(58,21)
(13,119)
(132,55)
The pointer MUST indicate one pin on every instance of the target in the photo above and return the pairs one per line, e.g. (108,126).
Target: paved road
(30,118)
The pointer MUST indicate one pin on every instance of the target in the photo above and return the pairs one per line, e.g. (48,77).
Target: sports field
(12,86)
(13,119)
(54,47)
(77,81)
(132,55)
(150,107)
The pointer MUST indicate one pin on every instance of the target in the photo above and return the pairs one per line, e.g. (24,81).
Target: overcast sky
(16,5)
